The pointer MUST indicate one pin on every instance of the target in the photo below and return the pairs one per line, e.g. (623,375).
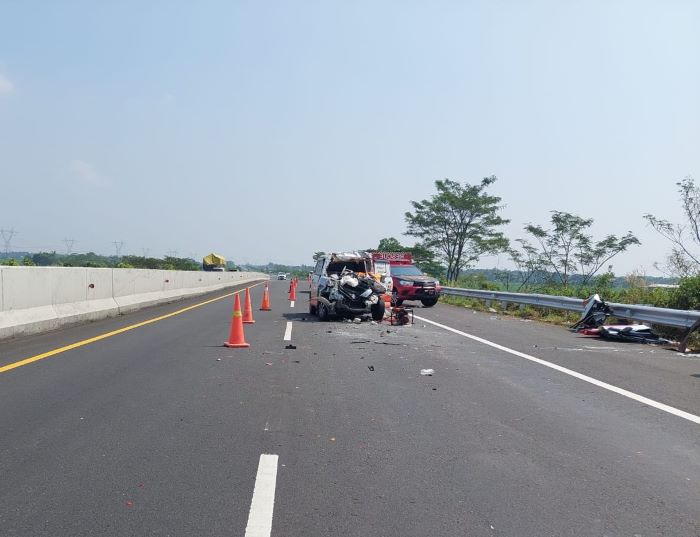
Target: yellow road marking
(84,342)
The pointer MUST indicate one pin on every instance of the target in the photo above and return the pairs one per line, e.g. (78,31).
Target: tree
(528,262)
(423,257)
(566,247)
(390,244)
(458,223)
(682,261)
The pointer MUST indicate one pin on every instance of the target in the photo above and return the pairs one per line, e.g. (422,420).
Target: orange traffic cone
(293,292)
(248,308)
(266,299)
(236,338)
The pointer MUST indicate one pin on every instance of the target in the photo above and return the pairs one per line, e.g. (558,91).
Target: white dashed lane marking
(263,503)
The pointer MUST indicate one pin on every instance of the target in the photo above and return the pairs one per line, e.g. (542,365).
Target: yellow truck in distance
(214,262)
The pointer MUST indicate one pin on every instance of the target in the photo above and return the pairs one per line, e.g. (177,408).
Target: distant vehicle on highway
(281,276)
(214,262)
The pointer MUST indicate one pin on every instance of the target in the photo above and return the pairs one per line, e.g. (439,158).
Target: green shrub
(687,296)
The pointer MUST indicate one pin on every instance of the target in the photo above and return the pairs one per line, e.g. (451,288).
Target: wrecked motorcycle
(350,294)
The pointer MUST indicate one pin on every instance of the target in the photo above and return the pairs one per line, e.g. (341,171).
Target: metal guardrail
(543,301)
(689,320)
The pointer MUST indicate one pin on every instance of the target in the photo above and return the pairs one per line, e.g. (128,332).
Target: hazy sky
(269,130)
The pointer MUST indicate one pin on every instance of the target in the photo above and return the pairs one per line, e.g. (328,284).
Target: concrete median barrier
(37,299)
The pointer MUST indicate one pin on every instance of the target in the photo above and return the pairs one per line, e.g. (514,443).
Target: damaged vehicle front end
(344,285)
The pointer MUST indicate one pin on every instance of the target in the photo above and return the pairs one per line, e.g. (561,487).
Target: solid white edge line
(263,503)
(639,398)
(291,304)
(288,332)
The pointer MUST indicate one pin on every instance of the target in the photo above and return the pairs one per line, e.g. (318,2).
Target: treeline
(636,289)
(91,259)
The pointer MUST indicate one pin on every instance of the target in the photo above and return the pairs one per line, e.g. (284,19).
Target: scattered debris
(589,331)
(296,361)
(427,372)
(492,310)
(386,343)
(373,322)
(360,341)
(595,313)
(290,346)
(400,316)
(218,359)
(636,332)
(268,363)
(357,320)
(370,367)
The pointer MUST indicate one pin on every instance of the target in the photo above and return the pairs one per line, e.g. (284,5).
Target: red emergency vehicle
(408,282)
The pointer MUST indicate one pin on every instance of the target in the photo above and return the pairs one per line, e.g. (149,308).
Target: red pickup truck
(408,282)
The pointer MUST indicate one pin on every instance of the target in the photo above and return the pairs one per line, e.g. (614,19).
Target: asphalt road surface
(528,430)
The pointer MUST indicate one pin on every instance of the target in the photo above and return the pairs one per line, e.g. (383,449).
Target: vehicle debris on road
(427,372)
(596,312)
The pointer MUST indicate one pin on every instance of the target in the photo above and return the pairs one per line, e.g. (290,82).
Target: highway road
(523,430)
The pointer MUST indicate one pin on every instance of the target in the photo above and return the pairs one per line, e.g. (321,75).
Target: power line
(118,245)
(7,235)
(69,245)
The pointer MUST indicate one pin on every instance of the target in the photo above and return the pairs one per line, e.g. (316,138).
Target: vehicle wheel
(377,311)
(395,300)
(429,302)
(312,309)
(322,311)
